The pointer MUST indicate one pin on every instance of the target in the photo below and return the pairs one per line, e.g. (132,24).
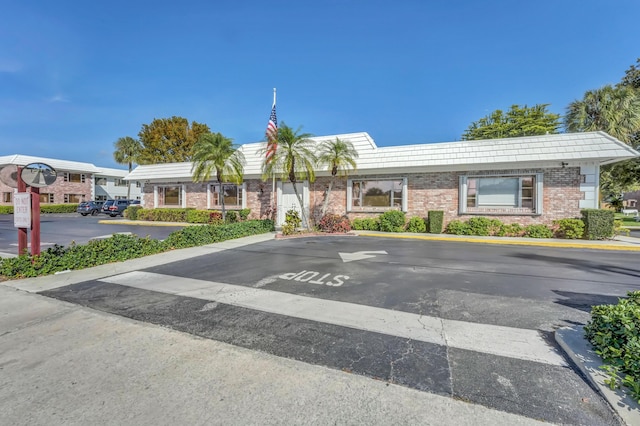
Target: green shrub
(435,221)
(599,223)
(6,209)
(232,216)
(131,212)
(614,331)
(458,227)
(416,224)
(392,221)
(538,231)
(123,247)
(334,223)
(164,215)
(483,226)
(58,208)
(569,228)
(511,230)
(292,222)
(620,228)
(244,214)
(365,224)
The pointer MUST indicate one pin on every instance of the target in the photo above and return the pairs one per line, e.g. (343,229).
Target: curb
(505,241)
(582,355)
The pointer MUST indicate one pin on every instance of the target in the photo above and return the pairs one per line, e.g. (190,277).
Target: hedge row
(188,215)
(119,248)
(46,208)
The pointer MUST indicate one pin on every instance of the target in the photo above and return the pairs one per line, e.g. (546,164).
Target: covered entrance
(287,200)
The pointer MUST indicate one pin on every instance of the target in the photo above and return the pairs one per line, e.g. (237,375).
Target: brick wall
(59,188)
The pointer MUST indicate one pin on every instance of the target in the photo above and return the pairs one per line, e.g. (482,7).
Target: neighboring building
(75,181)
(526,180)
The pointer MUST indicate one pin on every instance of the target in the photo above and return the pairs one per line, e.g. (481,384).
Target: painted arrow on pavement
(359,255)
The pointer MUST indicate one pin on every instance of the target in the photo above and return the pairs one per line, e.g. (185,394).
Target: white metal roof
(565,147)
(60,165)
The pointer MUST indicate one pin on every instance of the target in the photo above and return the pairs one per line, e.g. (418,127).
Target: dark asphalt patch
(419,365)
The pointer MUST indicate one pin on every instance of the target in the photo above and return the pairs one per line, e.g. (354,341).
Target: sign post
(22,231)
(36,175)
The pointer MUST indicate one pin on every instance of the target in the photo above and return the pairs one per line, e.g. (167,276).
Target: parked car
(89,207)
(115,207)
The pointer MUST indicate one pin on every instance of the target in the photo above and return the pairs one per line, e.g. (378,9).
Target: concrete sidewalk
(66,364)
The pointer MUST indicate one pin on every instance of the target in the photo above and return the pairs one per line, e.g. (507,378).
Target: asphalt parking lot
(378,308)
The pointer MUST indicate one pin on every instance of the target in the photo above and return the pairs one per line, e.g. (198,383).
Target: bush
(599,224)
(366,224)
(6,209)
(131,212)
(483,226)
(334,223)
(232,216)
(392,221)
(164,215)
(123,247)
(416,224)
(458,227)
(511,230)
(614,331)
(619,228)
(291,223)
(244,214)
(538,231)
(435,221)
(569,228)
(203,216)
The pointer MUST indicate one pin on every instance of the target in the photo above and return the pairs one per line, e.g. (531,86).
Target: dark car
(89,207)
(115,207)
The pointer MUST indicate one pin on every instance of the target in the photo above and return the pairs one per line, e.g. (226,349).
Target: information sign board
(22,210)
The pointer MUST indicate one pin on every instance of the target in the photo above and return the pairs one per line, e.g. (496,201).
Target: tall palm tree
(615,110)
(293,160)
(340,157)
(127,152)
(215,153)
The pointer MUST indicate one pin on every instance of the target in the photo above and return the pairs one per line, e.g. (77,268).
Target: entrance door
(288,200)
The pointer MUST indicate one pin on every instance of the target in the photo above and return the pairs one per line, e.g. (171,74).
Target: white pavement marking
(359,255)
(491,339)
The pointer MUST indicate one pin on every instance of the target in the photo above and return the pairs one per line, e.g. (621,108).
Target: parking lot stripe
(509,342)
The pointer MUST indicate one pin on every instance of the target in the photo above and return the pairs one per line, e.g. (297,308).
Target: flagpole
(273,175)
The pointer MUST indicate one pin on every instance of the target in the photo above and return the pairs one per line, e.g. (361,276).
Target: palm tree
(215,153)
(615,110)
(340,157)
(127,152)
(294,160)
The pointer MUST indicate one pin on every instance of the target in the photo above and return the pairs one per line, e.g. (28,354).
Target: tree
(615,110)
(632,76)
(518,121)
(294,160)
(127,152)
(340,157)
(169,140)
(214,153)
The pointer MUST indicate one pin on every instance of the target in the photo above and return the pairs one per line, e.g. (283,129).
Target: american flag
(272,133)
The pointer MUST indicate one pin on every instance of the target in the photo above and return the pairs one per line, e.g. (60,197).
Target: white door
(287,200)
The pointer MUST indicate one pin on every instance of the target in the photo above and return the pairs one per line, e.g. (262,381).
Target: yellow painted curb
(558,244)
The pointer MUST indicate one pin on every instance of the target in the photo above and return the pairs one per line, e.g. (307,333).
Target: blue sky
(77,75)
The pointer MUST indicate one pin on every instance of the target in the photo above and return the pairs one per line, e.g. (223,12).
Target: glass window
(231,193)
(377,193)
(74,177)
(501,191)
(7,197)
(121,182)
(101,181)
(46,197)
(73,198)
(170,196)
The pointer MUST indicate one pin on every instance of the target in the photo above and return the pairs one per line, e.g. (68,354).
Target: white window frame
(157,196)
(211,195)
(67,177)
(537,199)
(404,202)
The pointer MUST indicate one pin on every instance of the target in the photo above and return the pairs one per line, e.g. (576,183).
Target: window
(101,198)
(501,194)
(231,193)
(73,198)
(120,182)
(46,197)
(101,181)
(74,177)
(377,194)
(170,196)
(7,197)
